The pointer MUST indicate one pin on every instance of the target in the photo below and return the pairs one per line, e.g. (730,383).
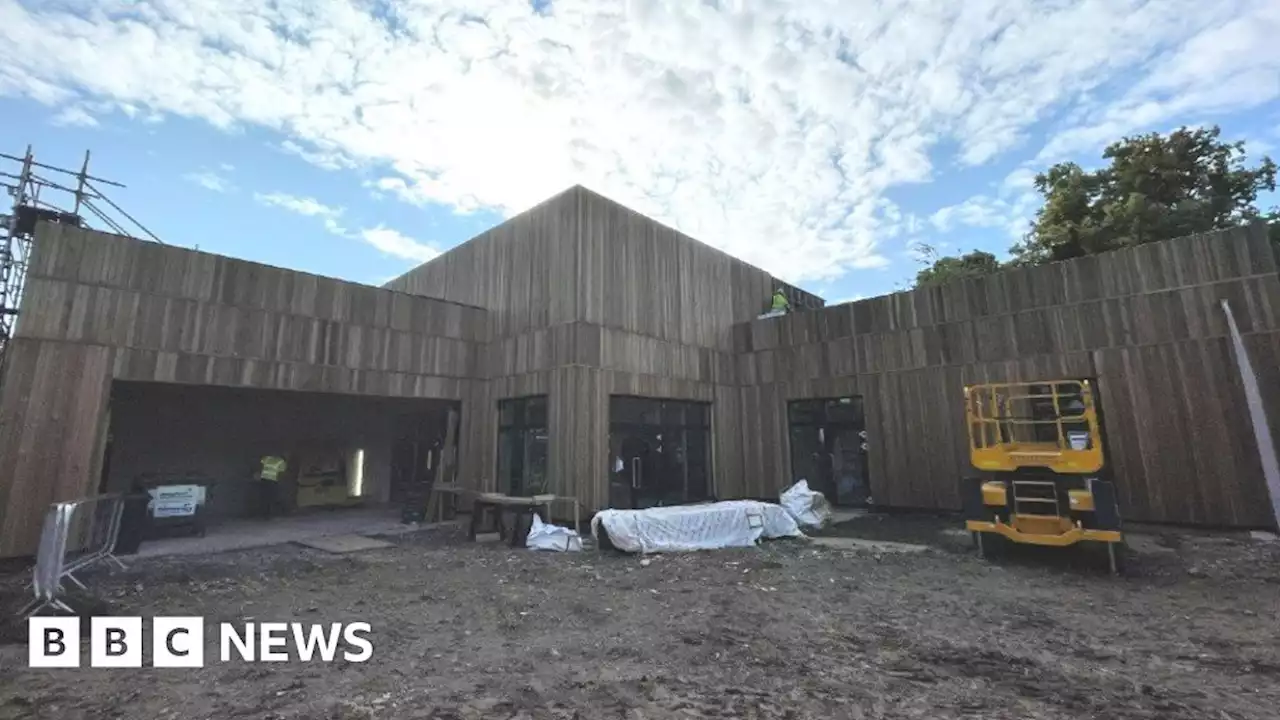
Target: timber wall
(100,307)
(590,299)
(580,299)
(1146,322)
(629,306)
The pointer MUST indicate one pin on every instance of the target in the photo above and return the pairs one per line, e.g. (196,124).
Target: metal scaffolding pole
(27,183)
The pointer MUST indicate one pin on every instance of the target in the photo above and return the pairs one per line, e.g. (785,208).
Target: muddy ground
(787,630)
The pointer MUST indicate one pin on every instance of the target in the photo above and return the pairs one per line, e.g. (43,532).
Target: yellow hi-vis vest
(272,468)
(780,301)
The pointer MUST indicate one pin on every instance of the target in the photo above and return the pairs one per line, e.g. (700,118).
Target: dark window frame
(706,423)
(524,426)
(662,423)
(831,417)
(820,414)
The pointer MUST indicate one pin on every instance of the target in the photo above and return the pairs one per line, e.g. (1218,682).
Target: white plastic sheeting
(711,526)
(543,536)
(809,508)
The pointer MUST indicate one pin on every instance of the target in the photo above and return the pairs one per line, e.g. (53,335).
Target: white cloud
(74,115)
(770,130)
(389,241)
(1022,179)
(329,160)
(306,206)
(298,204)
(1010,210)
(393,242)
(1232,65)
(210,180)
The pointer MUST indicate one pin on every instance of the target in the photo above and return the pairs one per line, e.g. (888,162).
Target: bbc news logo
(178,642)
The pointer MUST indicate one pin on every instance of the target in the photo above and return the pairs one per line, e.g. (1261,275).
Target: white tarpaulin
(543,536)
(809,508)
(711,526)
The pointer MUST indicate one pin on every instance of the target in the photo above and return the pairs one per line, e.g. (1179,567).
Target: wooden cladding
(100,307)
(52,431)
(647,279)
(1175,277)
(601,347)
(845,346)
(86,287)
(524,271)
(580,257)
(84,259)
(1180,443)
(1050,308)
(1145,321)
(580,299)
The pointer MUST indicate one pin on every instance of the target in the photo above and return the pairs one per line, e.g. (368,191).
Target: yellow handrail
(1001,439)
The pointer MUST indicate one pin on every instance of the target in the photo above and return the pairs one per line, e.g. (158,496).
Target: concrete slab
(246,534)
(342,544)
(882,546)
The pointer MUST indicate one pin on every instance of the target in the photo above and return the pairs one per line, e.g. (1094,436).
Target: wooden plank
(52,413)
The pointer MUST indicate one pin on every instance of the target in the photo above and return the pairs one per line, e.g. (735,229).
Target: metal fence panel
(46,580)
(75,535)
(92,534)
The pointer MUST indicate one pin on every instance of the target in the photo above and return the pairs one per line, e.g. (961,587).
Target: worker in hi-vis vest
(780,302)
(273,467)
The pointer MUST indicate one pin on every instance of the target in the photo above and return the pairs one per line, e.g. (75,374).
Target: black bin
(133,523)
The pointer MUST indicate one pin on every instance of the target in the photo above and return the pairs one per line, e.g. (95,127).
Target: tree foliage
(946,269)
(1154,187)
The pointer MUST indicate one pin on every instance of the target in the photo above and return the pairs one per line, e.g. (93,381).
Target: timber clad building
(582,349)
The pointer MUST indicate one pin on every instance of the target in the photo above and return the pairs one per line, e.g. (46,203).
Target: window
(522,445)
(659,452)
(828,448)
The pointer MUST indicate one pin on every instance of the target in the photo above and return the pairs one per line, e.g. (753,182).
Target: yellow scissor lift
(1040,445)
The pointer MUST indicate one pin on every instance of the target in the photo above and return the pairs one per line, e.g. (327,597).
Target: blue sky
(197,186)
(820,141)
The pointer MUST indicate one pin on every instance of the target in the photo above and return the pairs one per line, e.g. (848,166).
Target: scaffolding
(36,198)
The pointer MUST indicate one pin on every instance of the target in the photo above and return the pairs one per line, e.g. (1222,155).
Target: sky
(822,140)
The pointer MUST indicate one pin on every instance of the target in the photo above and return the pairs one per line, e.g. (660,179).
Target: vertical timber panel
(53,414)
(728,472)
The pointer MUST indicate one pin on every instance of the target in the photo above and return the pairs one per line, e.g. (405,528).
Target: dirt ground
(787,630)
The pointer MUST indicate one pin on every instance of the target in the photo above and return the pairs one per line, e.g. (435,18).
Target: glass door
(659,452)
(637,469)
(829,448)
(522,446)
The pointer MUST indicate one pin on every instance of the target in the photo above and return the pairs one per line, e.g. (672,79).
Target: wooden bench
(496,505)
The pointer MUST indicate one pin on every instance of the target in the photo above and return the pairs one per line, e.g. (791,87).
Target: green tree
(1155,188)
(946,269)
